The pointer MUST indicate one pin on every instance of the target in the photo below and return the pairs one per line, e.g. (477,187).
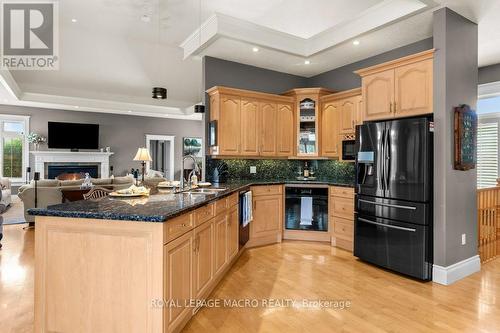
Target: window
(487,154)
(14,147)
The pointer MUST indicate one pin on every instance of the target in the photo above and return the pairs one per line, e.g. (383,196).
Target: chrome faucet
(195,169)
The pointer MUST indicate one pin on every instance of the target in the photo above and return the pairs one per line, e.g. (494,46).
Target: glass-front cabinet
(307,119)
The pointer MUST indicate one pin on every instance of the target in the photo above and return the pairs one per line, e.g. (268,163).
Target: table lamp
(143,156)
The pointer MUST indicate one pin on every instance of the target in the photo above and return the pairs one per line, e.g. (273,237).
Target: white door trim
(171,139)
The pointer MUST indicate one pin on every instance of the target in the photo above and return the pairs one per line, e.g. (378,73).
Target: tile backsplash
(280,169)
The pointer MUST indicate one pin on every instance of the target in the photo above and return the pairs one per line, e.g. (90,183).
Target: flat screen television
(73,136)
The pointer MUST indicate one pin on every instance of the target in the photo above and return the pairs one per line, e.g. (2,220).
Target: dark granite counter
(158,207)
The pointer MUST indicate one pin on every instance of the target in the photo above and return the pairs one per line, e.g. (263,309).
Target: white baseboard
(450,274)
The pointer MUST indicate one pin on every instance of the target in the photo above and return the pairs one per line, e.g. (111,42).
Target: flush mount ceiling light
(159,93)
(307,62)
(74,20)
(255,49)
(356,42)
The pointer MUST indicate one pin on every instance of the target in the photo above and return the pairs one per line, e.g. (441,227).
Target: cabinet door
(249,127)
(413,89)
(348,108)
(233,233)
(268,113)
(178,255)
(229,125)
(220,243)
(330,129)
(378,95)
(267,216)
(285,127)
(203,258)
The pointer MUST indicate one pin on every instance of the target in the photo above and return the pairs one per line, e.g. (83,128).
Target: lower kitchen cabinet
(233,229)
(203,268)
(220,243)
(266,227)
(341,206)
(178,256)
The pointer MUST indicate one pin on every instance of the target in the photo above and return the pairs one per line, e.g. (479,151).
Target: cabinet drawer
(343,207)
(346,192)
(343,228)
(178,226)
(232,200)
(267,190)
(203,214)
(220,206)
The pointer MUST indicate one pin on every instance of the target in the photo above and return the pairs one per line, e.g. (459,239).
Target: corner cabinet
(266,227)
(252,124)
(399,88)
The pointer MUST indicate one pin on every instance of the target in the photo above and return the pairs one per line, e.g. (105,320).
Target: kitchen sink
(208,190)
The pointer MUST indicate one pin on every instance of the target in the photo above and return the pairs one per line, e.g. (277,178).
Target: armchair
(6,198)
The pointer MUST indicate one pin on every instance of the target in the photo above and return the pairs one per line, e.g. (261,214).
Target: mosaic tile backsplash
(239,169)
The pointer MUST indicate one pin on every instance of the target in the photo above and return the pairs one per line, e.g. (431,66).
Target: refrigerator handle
(381,165)
(387,157)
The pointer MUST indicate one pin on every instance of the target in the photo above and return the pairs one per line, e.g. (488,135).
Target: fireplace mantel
(58,156)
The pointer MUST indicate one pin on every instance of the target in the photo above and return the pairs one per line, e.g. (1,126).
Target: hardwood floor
(380,301)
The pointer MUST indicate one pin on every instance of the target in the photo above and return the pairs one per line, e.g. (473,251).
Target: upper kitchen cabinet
(307,101)
(339,116)
(399,88)
(247,123)
(285,131)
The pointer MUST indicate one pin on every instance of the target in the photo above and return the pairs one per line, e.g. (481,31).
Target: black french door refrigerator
(393,219)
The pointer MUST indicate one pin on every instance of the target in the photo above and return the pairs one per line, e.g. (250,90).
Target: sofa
(49,191)
(6,198)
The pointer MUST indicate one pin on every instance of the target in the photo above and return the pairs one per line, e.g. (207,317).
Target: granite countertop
(158,207)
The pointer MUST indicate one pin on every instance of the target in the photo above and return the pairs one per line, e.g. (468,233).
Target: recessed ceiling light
(356,42)
(74,20)
(129,111)
(307,62)
(76,107)
(255,49)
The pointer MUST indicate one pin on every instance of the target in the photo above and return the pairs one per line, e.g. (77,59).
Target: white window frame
(26,146)
(171,139)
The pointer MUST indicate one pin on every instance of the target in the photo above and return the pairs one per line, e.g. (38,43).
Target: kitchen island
(136,265)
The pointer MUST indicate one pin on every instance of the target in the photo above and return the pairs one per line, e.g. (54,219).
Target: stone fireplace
(51,163)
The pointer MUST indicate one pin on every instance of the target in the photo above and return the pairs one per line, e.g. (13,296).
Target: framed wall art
(465,138)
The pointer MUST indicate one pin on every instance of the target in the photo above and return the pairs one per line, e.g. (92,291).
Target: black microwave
(348,150)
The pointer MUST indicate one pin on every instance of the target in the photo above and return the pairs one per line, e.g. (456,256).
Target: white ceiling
(110,57)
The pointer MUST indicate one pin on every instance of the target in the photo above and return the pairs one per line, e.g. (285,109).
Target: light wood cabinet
(341,213)
(220,243)
(178,279)
(330,116)
(230,121)
(339,116)
(266,227)
(203,268)
(413,89)
(252,124)
(249,127)
(285,127)
(233,229)
(268,114)
(399,88)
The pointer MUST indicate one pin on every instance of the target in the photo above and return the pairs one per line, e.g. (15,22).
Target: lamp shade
(142,155)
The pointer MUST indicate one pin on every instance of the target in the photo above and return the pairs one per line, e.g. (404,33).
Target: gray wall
(489,74)
(123,133)
(343,78)
(220,72)
(455,83)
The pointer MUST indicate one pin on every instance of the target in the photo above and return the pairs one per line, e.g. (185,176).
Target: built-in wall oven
(306,207)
